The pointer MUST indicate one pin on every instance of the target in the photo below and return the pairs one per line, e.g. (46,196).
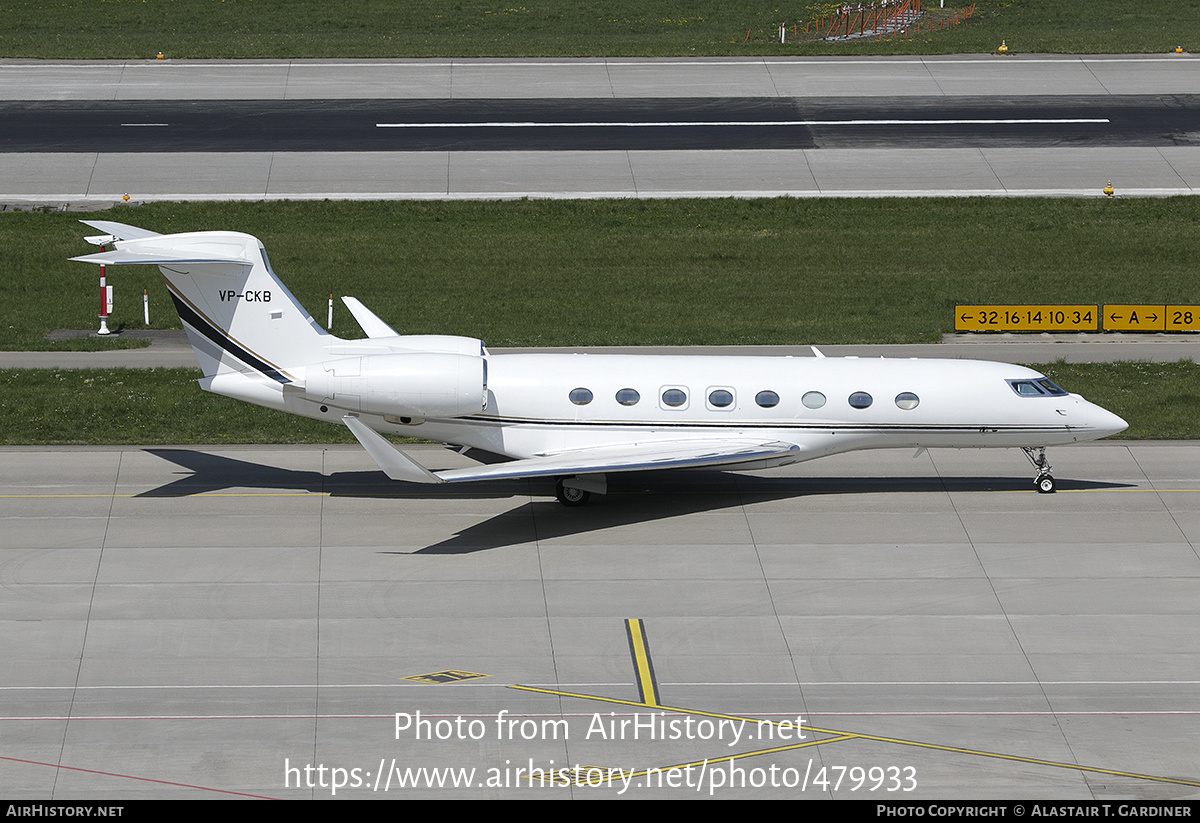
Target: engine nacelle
(441,343)
(421,384)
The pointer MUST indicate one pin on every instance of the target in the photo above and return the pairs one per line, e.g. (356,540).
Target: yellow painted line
(151,496)
(1094,491)
(837,736)
(775,494)
(399,495)
(1031,760)
(560,693)
(643,669)
(445,676)
(724,759)
(731,757)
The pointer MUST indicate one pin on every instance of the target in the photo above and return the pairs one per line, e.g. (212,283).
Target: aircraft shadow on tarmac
(633,498)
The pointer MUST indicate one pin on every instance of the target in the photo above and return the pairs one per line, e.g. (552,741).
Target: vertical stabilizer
(239,317)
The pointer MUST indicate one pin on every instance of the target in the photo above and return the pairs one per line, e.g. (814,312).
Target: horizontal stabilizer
(673,454)
(368,320)
(151,248)
(120,231)
(159,257)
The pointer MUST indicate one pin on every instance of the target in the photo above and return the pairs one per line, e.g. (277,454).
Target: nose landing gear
(1044,482)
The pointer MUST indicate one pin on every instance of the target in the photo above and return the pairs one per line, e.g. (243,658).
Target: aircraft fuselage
(825,405)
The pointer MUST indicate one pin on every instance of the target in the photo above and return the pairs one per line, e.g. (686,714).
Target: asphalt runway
(232,622)
(221,148)
(598,125)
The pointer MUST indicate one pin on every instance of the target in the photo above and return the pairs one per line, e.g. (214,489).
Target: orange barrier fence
(878,19)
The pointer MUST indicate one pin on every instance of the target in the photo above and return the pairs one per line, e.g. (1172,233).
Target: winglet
(395,464)
(370,322)
(817,352)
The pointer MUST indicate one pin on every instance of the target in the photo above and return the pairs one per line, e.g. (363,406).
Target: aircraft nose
(1104,422)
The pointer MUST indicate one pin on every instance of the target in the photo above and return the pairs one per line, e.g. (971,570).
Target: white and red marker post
(106,301)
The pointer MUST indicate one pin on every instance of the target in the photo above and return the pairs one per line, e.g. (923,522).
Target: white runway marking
(493,124)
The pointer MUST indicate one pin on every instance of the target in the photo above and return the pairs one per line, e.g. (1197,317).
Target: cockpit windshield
(1037,387)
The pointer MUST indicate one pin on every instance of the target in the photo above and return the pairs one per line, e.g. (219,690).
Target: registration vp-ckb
(257,296)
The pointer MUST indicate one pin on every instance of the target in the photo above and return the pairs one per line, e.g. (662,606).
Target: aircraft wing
(670,454)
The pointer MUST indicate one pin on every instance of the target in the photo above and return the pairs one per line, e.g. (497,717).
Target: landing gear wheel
(569,496)
(1045,480)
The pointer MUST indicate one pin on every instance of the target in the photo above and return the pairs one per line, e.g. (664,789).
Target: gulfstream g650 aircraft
(578,417)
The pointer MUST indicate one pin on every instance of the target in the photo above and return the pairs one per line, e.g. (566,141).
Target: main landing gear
(569,495)
(577,490)
(1045,477)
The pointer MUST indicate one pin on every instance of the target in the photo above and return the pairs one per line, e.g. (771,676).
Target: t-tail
(255,342)
(243,323)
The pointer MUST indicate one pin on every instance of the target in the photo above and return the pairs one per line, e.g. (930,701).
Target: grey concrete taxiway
(102,177)
(232,622)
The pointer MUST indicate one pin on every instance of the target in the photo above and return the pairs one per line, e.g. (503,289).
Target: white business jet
(579,417)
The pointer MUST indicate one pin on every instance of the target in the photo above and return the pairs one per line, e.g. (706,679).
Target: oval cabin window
(674,398)
(720,398)
(767,399)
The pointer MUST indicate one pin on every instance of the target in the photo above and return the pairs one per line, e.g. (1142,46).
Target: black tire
(570,497)
(1045,484)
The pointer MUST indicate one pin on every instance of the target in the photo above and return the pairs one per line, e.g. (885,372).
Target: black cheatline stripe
(194,319)
(765,424)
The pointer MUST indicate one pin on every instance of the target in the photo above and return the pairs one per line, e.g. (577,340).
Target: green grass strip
(139,407)
(649,272)
(555,28)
